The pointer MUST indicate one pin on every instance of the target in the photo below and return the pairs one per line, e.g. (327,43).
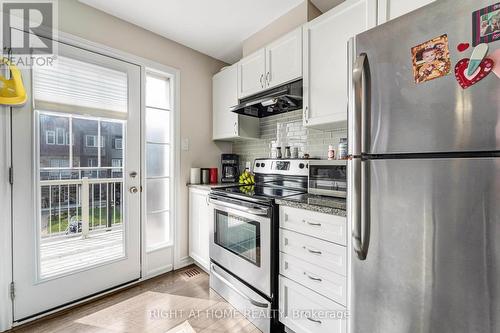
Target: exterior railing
(72,207)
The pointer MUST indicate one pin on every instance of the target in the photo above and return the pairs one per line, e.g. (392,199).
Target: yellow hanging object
(12,91)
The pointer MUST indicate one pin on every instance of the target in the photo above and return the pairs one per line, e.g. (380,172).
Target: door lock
(133,174)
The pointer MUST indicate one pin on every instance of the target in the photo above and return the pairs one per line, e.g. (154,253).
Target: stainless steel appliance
(328,178)
(285,98)
(424,183)
(244,239)
(230,164)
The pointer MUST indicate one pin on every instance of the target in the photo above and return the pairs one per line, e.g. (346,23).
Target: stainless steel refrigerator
(424,182)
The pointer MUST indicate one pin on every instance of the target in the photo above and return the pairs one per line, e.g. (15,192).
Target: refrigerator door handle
(361,115)
(360,206)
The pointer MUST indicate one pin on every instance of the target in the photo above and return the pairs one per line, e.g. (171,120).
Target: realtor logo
(29,28)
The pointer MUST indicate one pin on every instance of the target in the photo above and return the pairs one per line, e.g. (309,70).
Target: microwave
(328,178)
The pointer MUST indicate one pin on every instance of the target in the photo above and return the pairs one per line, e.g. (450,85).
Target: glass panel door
(76,195)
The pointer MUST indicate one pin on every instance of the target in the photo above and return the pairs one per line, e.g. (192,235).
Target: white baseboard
(158,271)
(183,262)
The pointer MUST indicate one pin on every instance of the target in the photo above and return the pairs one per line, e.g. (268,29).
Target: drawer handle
(312,223)
(314,320)
(312,251)
(312,277)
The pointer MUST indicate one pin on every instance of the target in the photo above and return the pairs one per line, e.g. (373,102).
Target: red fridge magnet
(462,47)
(465,80)
(486,24)
(431,59)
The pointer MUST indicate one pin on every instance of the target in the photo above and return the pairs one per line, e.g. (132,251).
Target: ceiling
(214,27)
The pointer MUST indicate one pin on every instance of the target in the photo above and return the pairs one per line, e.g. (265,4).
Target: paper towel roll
(195,176)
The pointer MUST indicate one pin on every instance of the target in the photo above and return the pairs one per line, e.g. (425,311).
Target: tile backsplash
(287,130)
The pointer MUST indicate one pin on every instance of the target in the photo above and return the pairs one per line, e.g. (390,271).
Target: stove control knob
(263,164)
(258,165)
(301,166)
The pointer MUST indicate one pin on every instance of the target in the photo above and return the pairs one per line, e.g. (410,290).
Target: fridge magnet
(477,56)
(486,24)
(431,59)
(495,56)
(462,47)
(465,80)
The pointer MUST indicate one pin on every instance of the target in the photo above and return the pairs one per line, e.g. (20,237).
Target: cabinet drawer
(305,311)
(322,281)
(329,256)
(324,226)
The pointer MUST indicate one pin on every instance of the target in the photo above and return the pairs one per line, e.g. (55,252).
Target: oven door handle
(236,290)
(253,211)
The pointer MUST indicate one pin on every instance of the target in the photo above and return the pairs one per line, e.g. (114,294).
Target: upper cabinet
(278,63)
(284,59)
(325,69)
(228,125)
(391,9)
(251,74)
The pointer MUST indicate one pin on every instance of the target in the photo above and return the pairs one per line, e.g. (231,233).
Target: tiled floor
(157,305)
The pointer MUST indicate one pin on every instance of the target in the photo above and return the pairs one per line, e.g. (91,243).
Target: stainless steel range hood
(275,101)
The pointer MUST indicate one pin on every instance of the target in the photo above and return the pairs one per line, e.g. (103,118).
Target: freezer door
(433,259)
(433,116)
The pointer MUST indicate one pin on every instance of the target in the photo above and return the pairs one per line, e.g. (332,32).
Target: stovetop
(259,191)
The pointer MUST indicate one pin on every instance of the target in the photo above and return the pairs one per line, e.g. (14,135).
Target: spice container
(342,151)
(331,153)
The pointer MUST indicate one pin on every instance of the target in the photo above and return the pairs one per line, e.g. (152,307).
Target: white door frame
(6,317)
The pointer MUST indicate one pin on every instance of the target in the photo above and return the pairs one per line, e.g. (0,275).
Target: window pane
(53,151)
(157,229)
(157,195)
(85,145)
(110,132)
(157,126)
(157,160)
(157,92)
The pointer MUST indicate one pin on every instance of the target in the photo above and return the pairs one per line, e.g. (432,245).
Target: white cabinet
(305,311)
(326,62)
(200,216)
(284,59)
(278,63)
(391,9)
(226,124)
(252,74)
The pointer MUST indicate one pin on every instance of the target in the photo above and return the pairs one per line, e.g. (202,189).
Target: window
(92,162)
(116,162)
(60,136)
(91,141)
(118,143)
(158,161)
(50,137)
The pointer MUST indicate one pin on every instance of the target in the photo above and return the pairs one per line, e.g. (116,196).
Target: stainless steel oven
(240,240)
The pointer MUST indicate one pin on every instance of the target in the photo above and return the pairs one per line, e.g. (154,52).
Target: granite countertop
(211,186)
(317,203)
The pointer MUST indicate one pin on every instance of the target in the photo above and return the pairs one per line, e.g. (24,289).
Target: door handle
(362,103)
(261,78)
(133,190)
(361,208)
(314,320)
(312,251)
(314,224)
(253,211)
(312,277)
(268,78)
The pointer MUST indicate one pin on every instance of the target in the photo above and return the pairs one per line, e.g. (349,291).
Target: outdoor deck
(62,255)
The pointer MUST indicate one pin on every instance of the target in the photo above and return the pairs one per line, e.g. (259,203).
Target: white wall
(196,71)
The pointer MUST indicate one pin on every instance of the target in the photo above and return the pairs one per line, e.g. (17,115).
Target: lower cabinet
(200,216)
(314,277)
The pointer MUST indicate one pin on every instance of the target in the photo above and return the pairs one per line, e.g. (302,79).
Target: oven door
(240,241)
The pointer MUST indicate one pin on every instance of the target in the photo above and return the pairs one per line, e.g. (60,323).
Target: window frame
(53,134)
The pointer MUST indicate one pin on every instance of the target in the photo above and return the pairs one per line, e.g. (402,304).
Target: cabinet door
(199,220)
(284,59)
(225,96)
(326,61)
(391,9)
(251,74)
